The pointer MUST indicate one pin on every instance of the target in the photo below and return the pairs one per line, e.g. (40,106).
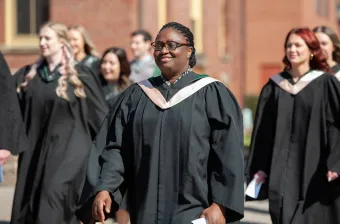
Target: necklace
(168,83)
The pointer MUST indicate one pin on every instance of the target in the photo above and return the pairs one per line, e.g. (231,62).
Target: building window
(23,19)
(322,7)
(31,14)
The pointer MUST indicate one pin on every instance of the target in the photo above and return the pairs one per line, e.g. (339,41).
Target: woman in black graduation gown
(63,109)
(12,133)
(330,44)
(84,49)
(295,145)
(114,73)
(174,142)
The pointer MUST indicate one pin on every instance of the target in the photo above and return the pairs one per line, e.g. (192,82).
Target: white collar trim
(157,98)
(300,85)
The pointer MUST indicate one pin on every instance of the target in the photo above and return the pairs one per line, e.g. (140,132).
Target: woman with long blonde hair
(62,108)
(83,47)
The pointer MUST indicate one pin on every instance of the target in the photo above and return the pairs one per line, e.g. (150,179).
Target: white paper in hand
(199,221)
(253,189)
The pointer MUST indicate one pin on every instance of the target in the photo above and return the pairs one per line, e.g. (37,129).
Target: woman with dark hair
(174,142)
(330,44)
(114,72)
(295,147)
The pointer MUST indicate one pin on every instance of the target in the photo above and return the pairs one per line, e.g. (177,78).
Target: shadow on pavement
(256,210)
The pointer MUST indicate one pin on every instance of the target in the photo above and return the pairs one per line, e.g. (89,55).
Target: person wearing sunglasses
(173,142)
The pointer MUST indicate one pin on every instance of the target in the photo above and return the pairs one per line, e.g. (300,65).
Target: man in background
(143,65)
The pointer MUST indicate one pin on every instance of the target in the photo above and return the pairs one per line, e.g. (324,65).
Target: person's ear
(189,52)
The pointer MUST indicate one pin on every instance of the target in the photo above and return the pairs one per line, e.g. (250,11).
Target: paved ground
(256,212)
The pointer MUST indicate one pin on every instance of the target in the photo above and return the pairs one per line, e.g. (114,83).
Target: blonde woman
(63,109)
(83,48)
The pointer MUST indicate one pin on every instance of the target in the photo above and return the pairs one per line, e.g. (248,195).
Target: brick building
(237,41)
(268,22)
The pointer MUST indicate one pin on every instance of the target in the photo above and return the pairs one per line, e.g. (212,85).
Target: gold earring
(311,56)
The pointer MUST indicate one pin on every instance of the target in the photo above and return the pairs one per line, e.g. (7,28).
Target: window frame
(12,38)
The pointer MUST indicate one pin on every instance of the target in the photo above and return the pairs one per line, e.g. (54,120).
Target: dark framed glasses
(170,45)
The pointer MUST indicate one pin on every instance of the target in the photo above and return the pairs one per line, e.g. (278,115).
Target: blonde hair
(89,47)
(68,71)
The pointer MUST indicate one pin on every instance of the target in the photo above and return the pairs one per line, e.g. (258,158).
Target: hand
(215,214)
(261,177)
(332,176)
(4,156)
(102,200)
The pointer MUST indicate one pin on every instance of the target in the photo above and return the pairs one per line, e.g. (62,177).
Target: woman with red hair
(295,148)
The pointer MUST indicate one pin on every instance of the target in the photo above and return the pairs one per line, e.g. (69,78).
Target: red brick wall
(179,11)
(108,22)
(148,17)
(268,22)
(16,61)
(236,50)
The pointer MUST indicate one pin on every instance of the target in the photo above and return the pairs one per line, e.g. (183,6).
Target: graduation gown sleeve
(106,168)
(96,105)
(12,131)
(263,135)
(333,124)
(225,166)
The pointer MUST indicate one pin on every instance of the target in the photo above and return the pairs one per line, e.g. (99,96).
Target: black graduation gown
(53,169)
(92,63)
(295,141)
(12,129)
(110,91)
(174,162)
(335,69)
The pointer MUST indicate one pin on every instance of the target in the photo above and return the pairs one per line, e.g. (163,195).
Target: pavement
(255,212)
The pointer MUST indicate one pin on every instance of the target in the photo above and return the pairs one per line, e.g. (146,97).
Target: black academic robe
(295,141)
(12,131)
(60,132)
(110,91)
(173,162)
(92,63)
(335,69)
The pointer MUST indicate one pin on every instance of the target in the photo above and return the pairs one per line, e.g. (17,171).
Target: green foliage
(250,102)
(246,141)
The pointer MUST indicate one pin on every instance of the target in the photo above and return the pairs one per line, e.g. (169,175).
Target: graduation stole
(157,98)
(337,75)
(300,85)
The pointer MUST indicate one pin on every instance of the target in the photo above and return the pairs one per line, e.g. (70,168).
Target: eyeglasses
(170,45)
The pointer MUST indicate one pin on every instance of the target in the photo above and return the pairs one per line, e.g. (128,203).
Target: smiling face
(297,51)
(172,60)
(49,42)
(110,67)
(139,46)
(76,41)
